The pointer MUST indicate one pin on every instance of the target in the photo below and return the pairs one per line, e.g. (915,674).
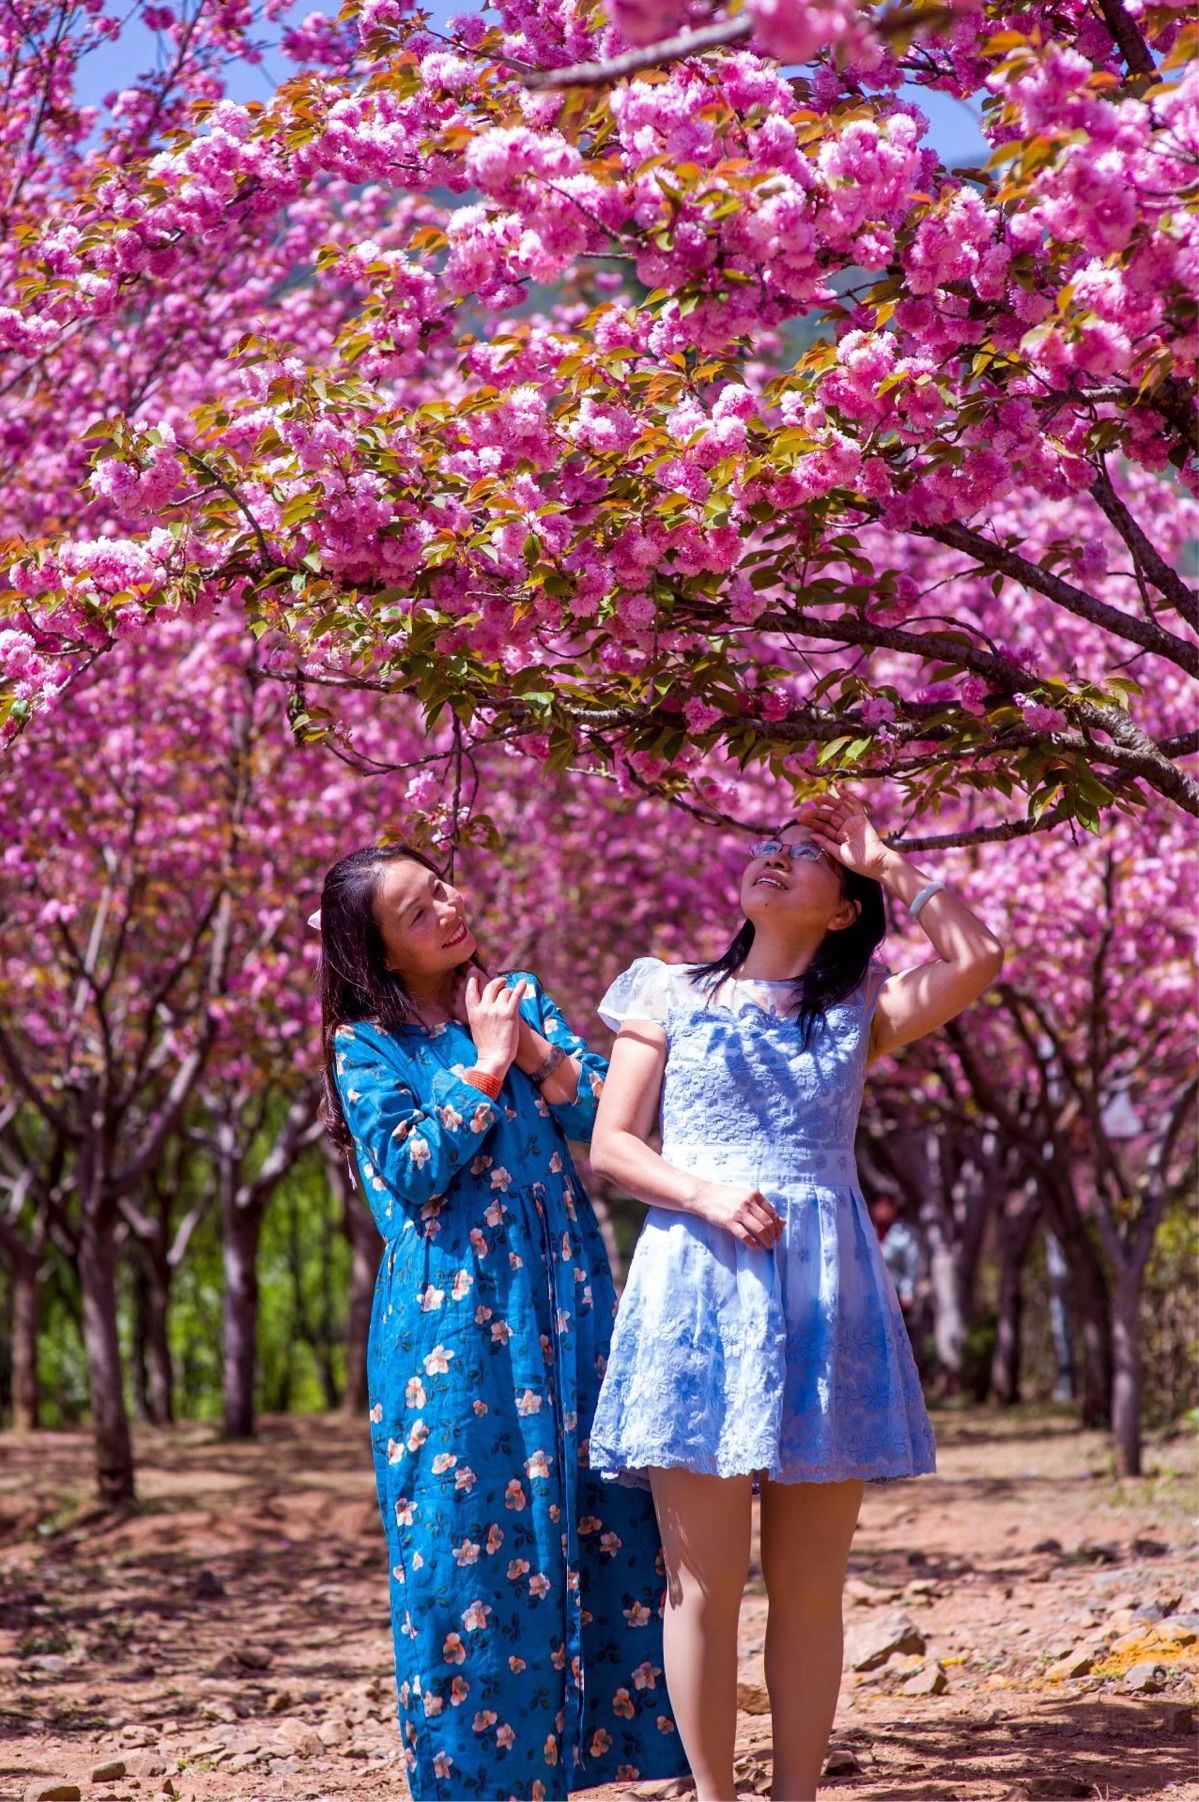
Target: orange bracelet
(482,1079)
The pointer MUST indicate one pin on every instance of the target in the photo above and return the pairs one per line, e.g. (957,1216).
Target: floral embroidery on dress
(729,1359)
(518,1636)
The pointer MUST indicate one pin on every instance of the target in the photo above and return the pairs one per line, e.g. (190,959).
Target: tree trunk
(949,1325)
(1090,1303)
(159,1367)
(1015,1237)
(98,1286)
(1126,1373)
(1091,1308)
(1060,1325)
(242,1228)
(139,1372)
(25,1308)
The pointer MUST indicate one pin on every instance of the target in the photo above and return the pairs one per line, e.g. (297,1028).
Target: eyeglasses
(803,850)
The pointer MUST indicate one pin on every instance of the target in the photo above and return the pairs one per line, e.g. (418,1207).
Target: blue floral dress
(526,1596)
(732,1360)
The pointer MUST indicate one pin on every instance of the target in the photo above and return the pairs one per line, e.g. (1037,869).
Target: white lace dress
(728,1359)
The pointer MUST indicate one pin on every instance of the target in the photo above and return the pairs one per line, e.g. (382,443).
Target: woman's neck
(778,957)
(432,996)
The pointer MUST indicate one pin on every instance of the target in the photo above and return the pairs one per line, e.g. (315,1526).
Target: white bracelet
(926,894)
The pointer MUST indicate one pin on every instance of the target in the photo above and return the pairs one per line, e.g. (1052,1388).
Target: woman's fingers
(761,1220)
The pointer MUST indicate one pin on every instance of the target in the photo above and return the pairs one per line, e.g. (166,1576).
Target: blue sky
(953,124)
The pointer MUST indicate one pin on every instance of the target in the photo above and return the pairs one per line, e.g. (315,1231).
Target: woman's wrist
(902,878)
(531,1049)
(487,1082)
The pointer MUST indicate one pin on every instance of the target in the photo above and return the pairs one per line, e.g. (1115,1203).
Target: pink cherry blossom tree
(631,525)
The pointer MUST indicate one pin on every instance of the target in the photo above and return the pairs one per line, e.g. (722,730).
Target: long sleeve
(411,1134)
(577,1117)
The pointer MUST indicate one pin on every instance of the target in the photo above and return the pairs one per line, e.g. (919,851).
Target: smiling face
(802,892)
(422,920)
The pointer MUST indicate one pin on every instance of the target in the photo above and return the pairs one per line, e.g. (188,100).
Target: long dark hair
(840,961)
(354,981)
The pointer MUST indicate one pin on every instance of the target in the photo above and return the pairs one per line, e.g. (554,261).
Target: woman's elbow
(604,1152)
(991,961)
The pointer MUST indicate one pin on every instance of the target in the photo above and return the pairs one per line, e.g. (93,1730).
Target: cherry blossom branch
(1146,633)
(1126,35)
(645,56)
(1145,555)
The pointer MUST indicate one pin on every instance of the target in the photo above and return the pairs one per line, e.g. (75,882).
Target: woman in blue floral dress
(526,1596)
(760,1340)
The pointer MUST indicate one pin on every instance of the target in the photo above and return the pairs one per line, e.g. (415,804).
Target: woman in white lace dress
(759,1341)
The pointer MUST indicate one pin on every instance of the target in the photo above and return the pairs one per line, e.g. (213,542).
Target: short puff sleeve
(642,992)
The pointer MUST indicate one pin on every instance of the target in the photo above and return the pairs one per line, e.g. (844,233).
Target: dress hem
(636,1476)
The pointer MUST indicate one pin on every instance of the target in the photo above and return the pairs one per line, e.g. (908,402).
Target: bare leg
(807,1530)
(705,1524)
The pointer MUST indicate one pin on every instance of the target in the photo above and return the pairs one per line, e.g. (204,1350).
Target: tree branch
(1126,36)
(645,56)
(1144,553)
(1146,633)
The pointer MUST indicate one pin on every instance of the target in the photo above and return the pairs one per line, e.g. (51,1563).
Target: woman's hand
(494,1021)
(745,1213)
(840,825)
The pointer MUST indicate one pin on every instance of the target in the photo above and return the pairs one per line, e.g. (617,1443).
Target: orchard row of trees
(157,1057)
(571,446)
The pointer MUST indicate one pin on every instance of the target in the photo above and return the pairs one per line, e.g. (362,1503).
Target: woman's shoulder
(647,990)
(356,1040)
(659,968)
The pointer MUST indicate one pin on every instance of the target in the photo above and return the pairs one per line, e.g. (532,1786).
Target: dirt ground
(228,1642)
